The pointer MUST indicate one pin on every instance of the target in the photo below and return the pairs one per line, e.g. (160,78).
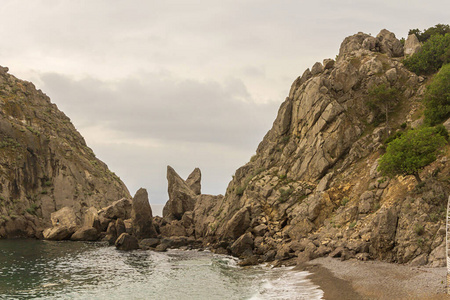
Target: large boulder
(389,44)
(58,233)
(127,242)
(85,234)
(181,197)
(141,216)
(238,224)
(64,217)
(243,246)
(91,219)
(118,209)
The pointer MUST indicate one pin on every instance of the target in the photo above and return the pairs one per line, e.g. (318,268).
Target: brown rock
(85,234)
(126,242)
(194,181)
(243,246)
(181,196)
(118,209)
(141,216)
(58,233)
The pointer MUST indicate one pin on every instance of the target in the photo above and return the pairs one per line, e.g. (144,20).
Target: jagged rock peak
(194,181)
(385,42)
(181,196)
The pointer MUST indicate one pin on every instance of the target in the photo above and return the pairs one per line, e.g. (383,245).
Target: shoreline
(354,279)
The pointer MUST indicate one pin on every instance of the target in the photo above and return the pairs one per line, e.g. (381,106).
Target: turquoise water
(32,269)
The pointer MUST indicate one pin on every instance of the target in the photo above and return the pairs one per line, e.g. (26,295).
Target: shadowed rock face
(45,164)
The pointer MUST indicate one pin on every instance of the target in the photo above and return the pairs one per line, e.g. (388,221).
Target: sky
(183,83)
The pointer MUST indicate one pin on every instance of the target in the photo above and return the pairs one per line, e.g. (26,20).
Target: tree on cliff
(411,152)
(437,98)
(383,99)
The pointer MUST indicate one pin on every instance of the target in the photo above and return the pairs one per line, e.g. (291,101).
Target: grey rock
(412,45)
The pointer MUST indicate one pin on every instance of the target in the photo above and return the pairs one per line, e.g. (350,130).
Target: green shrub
(285,194)
(412,151)
(435,52)
(439,29)
(382,100)
(418,229)
(437,97)
(344,201)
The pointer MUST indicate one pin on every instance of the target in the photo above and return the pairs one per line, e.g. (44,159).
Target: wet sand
(354,279)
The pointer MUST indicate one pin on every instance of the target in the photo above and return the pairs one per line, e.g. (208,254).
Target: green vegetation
(412,151)
(418,229)
(285,194)
(344,201)
(435,53)
(382,100)
(423,36)
(437,97)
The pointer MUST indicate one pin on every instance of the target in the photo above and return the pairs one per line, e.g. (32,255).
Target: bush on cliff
(435,52)
(437,98)
(382,100)
(411,152)
(440,29)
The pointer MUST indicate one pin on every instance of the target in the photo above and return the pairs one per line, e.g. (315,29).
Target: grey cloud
(165,108)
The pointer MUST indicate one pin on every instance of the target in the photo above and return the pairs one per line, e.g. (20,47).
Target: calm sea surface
(31,269)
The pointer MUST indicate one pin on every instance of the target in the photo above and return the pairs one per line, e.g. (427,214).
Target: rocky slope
(313,189)
(45,164)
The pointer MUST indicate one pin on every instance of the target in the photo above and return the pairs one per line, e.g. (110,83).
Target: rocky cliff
(313,188)
(45,164)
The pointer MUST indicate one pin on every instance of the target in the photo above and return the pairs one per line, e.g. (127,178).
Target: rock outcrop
(313,189)
(45,164)
(141,216)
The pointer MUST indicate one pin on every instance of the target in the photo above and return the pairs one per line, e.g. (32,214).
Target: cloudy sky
(183,83)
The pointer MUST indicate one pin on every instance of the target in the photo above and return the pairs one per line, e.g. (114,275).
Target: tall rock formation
(45,164)
(313,189)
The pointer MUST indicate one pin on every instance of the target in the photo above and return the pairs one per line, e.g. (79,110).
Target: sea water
(32,269)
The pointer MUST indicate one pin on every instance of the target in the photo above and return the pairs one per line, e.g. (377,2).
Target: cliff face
(45,163)
(313,189)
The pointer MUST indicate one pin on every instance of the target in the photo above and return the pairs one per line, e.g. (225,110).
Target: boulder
(181,196)
(126,242)
(238,224)
(328,63)
(118,209)
(389,44)
(85,234)
(91,219)
(412,45)
(243,246)
(174,228)
(149,243)
(58,233)
(316,68)
(111,233)
(194,181)
(64,217)
(141,216)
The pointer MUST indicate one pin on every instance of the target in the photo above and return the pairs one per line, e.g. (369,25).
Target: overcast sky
(183,83)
